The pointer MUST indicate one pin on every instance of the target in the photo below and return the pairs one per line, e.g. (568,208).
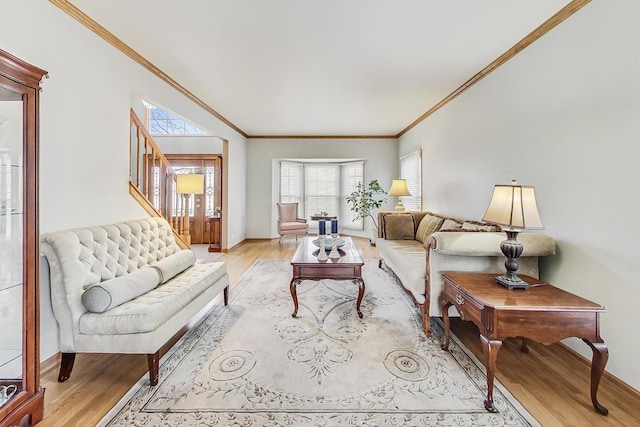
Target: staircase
(152,181)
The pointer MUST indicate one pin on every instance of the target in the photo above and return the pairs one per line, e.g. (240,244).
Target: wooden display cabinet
(21,397)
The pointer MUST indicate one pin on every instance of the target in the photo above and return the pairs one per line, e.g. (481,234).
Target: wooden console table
(215,234)
(542,313)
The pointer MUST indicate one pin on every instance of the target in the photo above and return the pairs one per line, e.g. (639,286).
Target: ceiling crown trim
(110,38)
(543,29)
(322,137)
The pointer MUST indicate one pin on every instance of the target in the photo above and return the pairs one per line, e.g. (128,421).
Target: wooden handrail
(153,179)
(148,207)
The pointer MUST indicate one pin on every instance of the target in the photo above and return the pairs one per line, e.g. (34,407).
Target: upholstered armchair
(288,221)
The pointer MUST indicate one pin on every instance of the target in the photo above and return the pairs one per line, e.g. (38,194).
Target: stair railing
(152,181)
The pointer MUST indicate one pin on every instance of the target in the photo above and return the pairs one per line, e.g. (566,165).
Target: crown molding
(540,31)
(321,137)
(110,38)
(543,29)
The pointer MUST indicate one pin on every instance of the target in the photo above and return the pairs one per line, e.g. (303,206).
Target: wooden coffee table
(307,267)
(543,313)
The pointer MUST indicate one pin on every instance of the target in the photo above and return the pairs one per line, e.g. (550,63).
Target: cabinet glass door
(11,235)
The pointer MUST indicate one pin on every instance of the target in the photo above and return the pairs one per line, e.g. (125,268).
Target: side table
(543,313)
(215,234)
(323,217)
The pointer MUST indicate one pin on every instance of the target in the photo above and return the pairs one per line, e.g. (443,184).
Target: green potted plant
(364,200)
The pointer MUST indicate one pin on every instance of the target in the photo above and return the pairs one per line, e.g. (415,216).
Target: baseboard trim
(50,363)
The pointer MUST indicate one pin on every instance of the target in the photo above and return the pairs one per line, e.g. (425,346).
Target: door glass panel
(11,219)
(209,192)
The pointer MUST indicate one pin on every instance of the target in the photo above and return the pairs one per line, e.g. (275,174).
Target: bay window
(320,187)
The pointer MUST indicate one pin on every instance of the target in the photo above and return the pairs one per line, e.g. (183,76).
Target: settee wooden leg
(426,320)
(66,366)
(154,366)
(225,292)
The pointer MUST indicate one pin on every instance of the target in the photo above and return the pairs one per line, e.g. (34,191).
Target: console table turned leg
(490,349)
(599,361)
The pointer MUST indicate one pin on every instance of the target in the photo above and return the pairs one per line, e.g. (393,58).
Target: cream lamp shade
(515,208)
(190,183)
(399,188)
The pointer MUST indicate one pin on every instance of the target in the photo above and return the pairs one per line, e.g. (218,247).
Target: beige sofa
(124,288)
(417,246)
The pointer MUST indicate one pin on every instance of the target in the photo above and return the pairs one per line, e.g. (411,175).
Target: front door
(201,206)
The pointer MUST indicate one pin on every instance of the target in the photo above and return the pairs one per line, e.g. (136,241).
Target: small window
(291,182)
(161,122)
(411,170)
(321,188)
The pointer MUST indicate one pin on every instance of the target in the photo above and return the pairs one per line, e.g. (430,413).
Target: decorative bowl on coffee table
(328,242)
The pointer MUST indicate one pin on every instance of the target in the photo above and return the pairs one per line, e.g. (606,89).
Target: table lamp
(399,188)
(188,184)
(514,207)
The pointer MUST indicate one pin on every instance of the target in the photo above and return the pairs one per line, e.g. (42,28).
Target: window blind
(291,184)
(352,174)
(411,170)
(321,188)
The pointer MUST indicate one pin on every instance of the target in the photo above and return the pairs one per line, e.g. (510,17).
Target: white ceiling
(323,67)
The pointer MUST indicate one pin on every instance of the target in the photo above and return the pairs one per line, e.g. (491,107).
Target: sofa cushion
(450,225)
(399,227)
(478,226)
(407,260)
(293,225)
(149,311)
(175,264)
(111,293)
(427,226)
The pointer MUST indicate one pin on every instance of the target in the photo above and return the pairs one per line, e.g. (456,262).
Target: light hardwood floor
(550,381)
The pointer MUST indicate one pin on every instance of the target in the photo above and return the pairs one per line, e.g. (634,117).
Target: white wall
(189,144)
(235,167)
(85,116)
(563,115)
(84,122)
(381,163)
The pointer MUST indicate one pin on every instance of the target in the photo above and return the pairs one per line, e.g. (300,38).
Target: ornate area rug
(252,364)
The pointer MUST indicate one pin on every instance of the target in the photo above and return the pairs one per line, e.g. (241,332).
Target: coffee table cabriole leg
(294,295)
(360,295)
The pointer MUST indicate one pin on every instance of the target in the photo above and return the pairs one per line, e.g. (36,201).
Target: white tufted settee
(125,288)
